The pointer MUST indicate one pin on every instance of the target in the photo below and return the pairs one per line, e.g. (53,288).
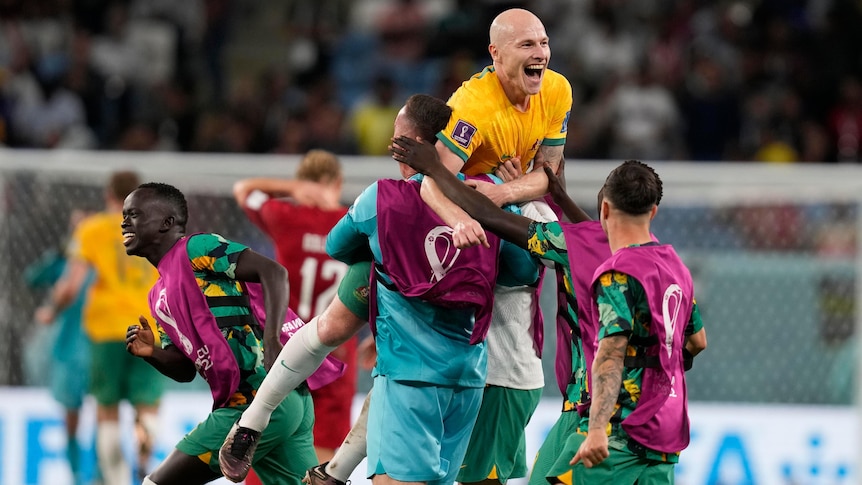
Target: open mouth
(534,71)
(127,238)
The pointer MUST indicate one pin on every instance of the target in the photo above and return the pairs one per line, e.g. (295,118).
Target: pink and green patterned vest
(182,311)
(660,418)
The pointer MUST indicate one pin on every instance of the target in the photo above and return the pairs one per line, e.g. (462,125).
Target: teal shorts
(551,451)
(70,381)
(286,448)
(353,289)
(116,374)
(419,432)
(497,448)
(70,372)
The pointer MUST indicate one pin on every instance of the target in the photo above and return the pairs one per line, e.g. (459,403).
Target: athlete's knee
(328,331)
(337,325)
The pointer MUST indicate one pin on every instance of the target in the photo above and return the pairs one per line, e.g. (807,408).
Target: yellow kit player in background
(117,296)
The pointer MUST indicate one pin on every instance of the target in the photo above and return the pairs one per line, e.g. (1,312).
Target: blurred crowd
(748,80)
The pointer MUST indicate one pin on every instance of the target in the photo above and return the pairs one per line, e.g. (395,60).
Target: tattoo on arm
(607,376)
(550,154)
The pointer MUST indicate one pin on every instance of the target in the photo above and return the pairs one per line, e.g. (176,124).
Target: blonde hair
(319,166)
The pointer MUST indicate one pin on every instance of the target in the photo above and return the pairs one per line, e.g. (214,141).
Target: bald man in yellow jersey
(514,111)
(117,296)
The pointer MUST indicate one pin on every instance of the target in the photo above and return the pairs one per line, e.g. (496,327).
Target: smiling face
(145,220)
(520,50)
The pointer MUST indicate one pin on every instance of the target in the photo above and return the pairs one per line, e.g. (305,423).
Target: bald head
(520,52)
(510,23)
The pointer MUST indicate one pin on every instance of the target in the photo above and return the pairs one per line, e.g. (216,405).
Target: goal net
(772,250)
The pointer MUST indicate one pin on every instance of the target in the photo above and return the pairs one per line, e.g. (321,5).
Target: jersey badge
(463,133)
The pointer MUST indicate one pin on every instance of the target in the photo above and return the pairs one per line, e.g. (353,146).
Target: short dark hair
(122,183)
(600,197)
(633,187)
(428,114)
(173,197)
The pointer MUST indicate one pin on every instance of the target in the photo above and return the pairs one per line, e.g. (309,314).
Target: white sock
(147,481)
(115,469)
(298,359)
(353,449)
(150,423)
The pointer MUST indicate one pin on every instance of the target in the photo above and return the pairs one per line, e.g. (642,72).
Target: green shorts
(286,448)
(353,289)
(623,468)
(116,374)
(497,448)
(551,451)
(561,471)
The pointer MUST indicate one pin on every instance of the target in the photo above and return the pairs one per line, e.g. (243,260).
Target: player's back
(299,234)
(119,291)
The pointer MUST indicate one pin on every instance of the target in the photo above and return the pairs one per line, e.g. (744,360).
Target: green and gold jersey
(624,309)
(486,129)
(213,259)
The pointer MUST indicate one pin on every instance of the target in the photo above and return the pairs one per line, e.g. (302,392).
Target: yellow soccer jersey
(119,292)
(485,129)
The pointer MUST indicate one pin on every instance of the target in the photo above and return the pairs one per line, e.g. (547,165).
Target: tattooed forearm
(550,154)
(607,376)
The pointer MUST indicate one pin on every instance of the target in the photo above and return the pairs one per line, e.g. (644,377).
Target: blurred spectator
(293,135)
(403,29)
(755,121)
(314,28)
(462,31)
(815,143)
(845,121)
(607,51)
(138,137)
(210,133)
(55,116)
(217,26)
(711,110)
(666,51)
(774,149)
(114,58)
(644,120)
(371,120)
(85,81)
(325,119)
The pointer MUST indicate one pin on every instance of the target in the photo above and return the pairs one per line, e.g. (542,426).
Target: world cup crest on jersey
(441,251)
(463,133)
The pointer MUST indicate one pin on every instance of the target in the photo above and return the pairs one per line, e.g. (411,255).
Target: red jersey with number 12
(299,235)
